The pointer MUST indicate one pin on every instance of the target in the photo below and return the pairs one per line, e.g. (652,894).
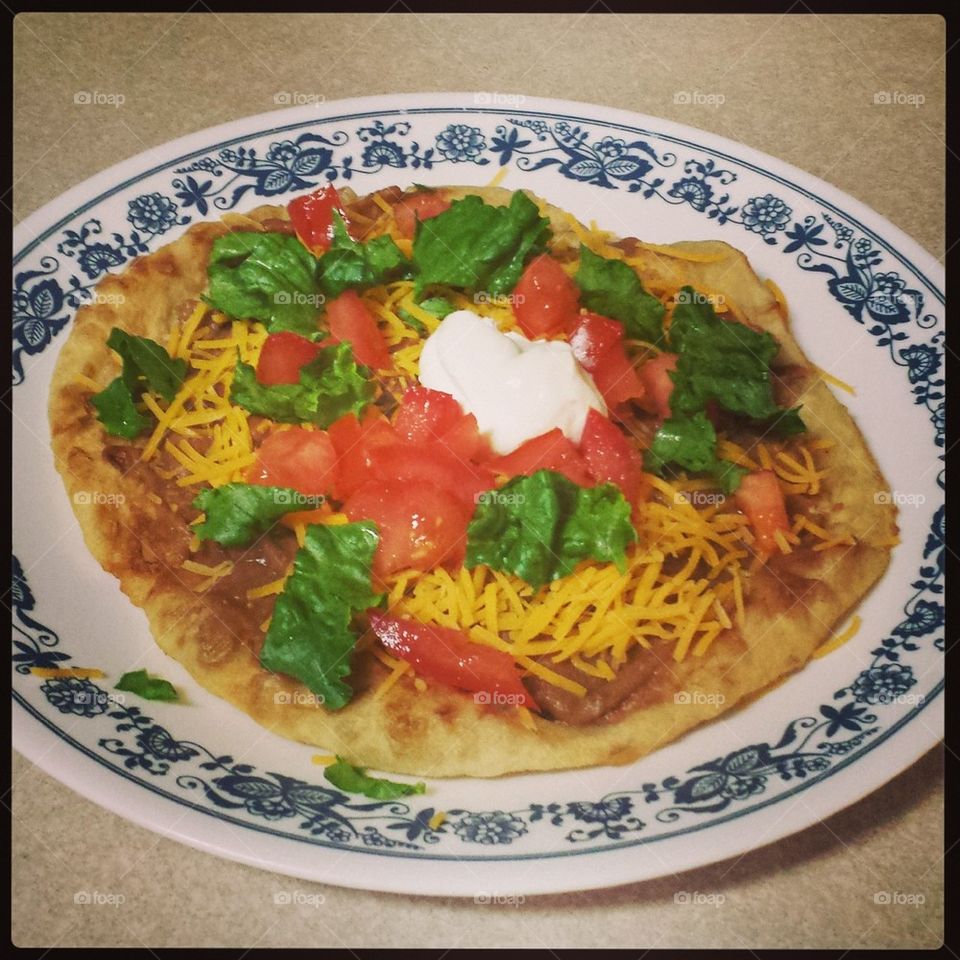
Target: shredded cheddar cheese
(57,673)
(840,639)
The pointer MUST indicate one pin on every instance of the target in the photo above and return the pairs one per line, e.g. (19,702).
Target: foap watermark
(498,498)
(698,898)
(697,98)
(297,98)
(898,98)
(97,98)
(498,698)
(499,899)
(107,299)
(285,497)
(496,98)
(98,898)
(897,898)
(86,498)
(498,299)
(300,698)
(698,697)
(298,898)
(298,298)
(695,296)
(899,498)
(699,498)
(885,698)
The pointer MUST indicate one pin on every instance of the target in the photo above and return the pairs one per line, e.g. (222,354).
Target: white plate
(209,776)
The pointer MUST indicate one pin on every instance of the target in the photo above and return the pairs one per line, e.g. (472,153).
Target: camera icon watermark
(695,296)
(499,899)
(498,698)
(86,498)
(496,98)
(887,898)
(298,298)
(297,98)
(288,497)
(697,898)
(498,498)
(899,498)
(698,697)
(498,299)
(700,498)
(295,898)
(898,98)
(698,98)
(300,698)
(97,98)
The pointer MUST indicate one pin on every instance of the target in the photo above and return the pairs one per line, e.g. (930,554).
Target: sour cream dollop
(515,387)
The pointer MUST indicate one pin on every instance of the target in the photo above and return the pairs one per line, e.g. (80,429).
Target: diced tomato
(430,415)
(418,206)
(351,322)
(434,463)
(282,356)
(616,379)
(302,459)
(550,451)
(761,498)
(420,525)
(451,657)
(546,300)
(355,443)
(656,380)
(610,456)
(312,217)
(591,336)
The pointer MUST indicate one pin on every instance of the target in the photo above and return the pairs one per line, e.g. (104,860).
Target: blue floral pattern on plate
(859,276)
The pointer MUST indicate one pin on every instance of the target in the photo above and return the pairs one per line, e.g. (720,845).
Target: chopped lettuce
(476,246)
(721,362)
(612,288)
(349,265)
(146,366)
(689,441)
(330,386)
(150,688)
(268,277)
(540,527)
(355,780)
(309,637)
(237,513)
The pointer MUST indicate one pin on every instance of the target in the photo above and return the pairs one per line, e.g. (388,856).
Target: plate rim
(901,246)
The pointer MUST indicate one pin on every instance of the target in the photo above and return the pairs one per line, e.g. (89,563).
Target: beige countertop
(798,87)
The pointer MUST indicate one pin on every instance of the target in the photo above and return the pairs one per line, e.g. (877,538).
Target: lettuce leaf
(612,288)
(330,386)
(237,513)
(267,277)
(690,441)
(540,527)
(349,265)
(477,246)
(355,780)
(309,637)
(150,688)
(146,366)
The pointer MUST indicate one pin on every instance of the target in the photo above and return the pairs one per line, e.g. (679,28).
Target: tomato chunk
(591,336)
(616,378)
(550,451)
(282,356)
(546,300)
(761,498)
(610,456)
(302,459)
(433,463)
(428,415)
(657,382)
(312,217)
(418,206)
(420,525)
(351,322)
(355,443)
(449,656)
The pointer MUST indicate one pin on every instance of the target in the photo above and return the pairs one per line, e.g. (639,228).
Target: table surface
(798,87)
